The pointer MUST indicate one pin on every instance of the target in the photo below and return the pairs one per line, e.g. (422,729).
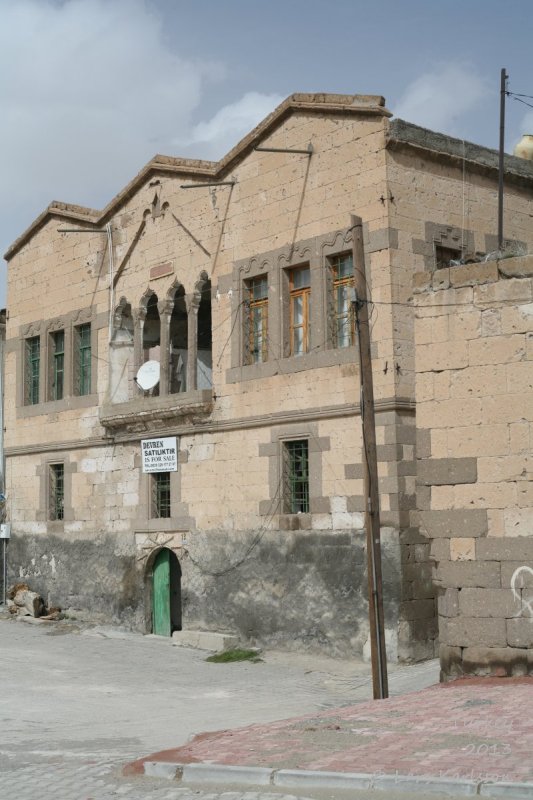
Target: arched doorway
(166,593)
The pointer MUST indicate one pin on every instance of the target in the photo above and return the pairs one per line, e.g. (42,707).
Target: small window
(58,365)
(300,309)
(56,493)
(443,256)
(296,476)
(161,495)
(343,283)
(256,334)
(83,359)
(32,368)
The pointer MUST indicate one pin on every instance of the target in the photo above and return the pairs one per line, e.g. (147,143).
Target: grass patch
(234,654)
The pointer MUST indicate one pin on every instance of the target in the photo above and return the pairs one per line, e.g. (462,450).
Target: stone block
(462,549)
(522,580)
(518,267)
(505,549)
(472,274)
(205,640)
(448,603)
(454,523)
(475,574)
(418,609)
(443,471)
(439,550)
(520,632)
(484,660)
(473,631)
(497,603)
(518,522)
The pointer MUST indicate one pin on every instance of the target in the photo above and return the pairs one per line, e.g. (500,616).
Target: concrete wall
(474,391)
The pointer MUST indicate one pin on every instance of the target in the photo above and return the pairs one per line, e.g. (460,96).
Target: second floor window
(300,309)
(58,365)
(256,338)
(83,360)
(32,368)
(161,494)
(343,283)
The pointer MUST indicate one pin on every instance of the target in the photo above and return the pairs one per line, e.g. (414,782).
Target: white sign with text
(160,455)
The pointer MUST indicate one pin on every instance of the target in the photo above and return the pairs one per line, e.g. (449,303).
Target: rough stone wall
(474,392)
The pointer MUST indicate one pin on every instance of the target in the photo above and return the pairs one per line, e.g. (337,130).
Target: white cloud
(91,91)
(230,124)
(440,98)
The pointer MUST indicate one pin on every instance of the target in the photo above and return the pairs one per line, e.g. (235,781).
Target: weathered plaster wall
(474,390)
(304,590)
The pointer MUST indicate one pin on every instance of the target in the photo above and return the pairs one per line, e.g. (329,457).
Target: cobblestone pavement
(473,729)
(101,782)
(77,704)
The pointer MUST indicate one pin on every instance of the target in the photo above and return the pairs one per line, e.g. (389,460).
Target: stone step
(205,640)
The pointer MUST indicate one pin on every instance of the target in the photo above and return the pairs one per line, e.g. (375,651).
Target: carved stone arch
(173,288)
(145,299)
(336,242)
(200,284)
(294,256)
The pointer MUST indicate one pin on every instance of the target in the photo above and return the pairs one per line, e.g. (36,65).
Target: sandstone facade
(184,262)
(474,390)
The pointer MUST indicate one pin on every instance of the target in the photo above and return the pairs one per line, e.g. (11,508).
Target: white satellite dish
(148,375)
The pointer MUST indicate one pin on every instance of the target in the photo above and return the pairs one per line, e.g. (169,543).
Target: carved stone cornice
(146,413)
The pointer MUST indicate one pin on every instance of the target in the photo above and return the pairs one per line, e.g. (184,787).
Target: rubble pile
(22,602)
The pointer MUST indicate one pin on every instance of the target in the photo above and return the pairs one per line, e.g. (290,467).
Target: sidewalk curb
(202,773)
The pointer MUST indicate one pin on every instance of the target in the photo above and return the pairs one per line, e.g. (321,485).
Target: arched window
(179,347)
(204,363)
(151,344)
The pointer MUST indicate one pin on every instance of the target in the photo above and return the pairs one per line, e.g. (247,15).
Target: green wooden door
(161,594)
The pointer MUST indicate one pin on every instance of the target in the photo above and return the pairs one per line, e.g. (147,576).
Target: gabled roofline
(362,104)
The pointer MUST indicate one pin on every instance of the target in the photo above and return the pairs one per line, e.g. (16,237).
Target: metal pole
(372,520)
(503,80)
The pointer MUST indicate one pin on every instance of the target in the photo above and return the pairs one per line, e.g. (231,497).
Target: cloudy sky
(92,89)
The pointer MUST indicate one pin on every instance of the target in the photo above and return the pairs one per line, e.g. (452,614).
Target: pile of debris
(22,602)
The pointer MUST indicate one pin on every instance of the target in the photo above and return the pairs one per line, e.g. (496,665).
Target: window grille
(161,495)
(56,485)
(58,364)
(83,359)
(32,370)
(296,476)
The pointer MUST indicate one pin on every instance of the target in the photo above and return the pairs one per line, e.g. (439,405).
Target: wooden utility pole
(372,521)
(501,167)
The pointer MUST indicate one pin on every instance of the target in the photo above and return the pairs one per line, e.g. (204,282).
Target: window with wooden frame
(56,491)
(160,495)
(32,368)
(300,309)
(256,320)
(82,359)
(343,286)
(57,365)
(296,476)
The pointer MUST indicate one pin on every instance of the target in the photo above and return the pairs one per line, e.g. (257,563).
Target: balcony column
(165,313)
(192,301)
(139,316)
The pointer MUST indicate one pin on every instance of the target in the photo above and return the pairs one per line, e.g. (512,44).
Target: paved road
(78,703)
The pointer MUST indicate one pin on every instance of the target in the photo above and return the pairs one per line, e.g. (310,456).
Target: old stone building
(229,495)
